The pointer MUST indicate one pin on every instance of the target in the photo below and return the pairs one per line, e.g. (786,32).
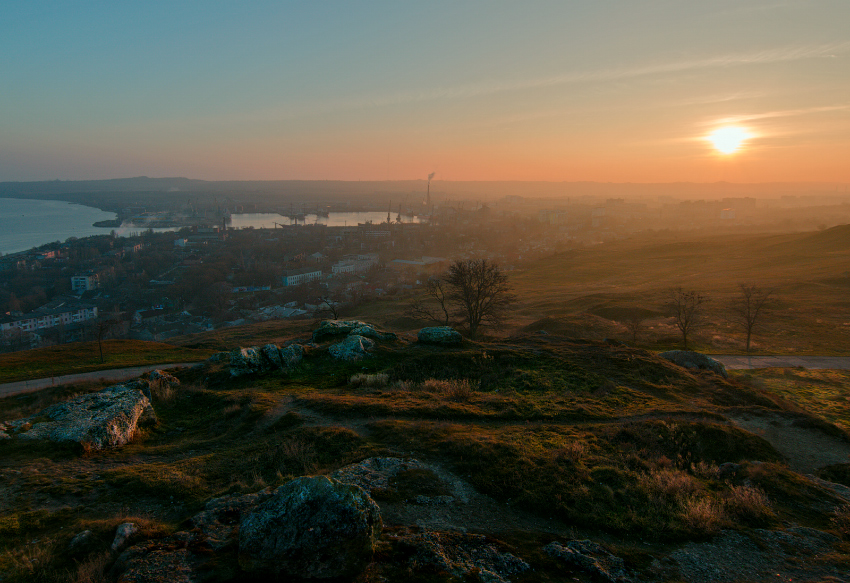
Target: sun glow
(729,139)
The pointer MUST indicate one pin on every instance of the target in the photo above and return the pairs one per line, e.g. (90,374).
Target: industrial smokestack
(428,197)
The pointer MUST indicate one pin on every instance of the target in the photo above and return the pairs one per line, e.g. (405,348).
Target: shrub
(748,503)
(701,515)
(91,570)
(667,486)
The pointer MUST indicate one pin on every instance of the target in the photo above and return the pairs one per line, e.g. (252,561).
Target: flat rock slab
(334,328)
(108,418)
(261,359)
(440,335)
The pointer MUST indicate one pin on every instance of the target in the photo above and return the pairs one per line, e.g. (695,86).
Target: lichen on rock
(107,418)
(440,335)
(311,527)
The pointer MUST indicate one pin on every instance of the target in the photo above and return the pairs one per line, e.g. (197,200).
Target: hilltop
(526,441)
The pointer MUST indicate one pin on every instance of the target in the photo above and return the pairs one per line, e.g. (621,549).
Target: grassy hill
(564,439)
(579,291)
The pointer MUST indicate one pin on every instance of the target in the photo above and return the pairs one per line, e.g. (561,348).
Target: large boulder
(291,355)
(440,335)
(694,361)
(271,357)
(108,418)
(352,348)
(218,523)
(259,359)
(334,328)
(245,361)
(313,528)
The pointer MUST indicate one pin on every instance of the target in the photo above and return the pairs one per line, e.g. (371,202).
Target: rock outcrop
(352,348)
(375,473)
(218,523)
(440,335)
(462,555)
(334,328)
(694,361)
(312,527)
(107,418)
(167,560)
(163,378)
(260,359)
(123,534)
(590,557)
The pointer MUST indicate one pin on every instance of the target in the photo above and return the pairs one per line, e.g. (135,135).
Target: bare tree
(103,329)
(329,305)
(633,319)
(685,306)
(435,289)
(481,292)
(749,307)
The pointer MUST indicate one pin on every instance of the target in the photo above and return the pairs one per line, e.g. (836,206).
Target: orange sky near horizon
(612,91)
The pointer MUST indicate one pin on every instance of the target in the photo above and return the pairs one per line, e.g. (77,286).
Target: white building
(48,318)
(299,276)
(81,283)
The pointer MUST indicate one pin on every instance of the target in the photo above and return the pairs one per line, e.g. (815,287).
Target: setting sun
(728,140)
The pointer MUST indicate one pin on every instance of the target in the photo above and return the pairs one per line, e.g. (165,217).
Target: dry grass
(299,456)
(573,452)
(91,570)
(453,390)
(667,485)
(31,562)
(748,504)
(701,515)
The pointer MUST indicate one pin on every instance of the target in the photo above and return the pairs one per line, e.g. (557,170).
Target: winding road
(115,374)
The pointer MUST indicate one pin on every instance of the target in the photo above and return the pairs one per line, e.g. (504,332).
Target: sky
(567,90)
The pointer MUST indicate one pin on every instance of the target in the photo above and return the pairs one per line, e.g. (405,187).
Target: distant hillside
(479,189)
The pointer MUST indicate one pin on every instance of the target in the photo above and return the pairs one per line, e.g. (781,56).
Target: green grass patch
(82,357)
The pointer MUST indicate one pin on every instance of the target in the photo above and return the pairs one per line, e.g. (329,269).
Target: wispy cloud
(324,107)
(774,114)
(783,54)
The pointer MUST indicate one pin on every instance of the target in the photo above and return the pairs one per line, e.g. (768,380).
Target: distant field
(84,357)
(576,292)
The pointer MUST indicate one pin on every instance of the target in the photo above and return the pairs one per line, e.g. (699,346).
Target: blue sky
(620,90)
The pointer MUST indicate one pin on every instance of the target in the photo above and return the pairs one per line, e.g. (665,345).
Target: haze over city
(555,91)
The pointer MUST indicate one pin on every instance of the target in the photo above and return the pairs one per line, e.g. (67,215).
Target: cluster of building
(65,317)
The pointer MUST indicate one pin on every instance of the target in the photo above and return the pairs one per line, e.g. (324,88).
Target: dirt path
(115,374)
(739,362)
